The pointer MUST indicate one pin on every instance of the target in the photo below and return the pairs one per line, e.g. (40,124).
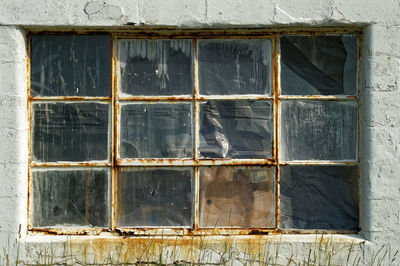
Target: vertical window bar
(114,131)
(276,94)
(196,136)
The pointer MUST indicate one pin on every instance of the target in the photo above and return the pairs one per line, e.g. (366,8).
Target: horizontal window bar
(311,162)
(71,99)
(191,162)
(319,97)
(234,97)
(156,98)
(72,164)
(69,231)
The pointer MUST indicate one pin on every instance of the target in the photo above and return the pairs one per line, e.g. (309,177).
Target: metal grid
(116,163)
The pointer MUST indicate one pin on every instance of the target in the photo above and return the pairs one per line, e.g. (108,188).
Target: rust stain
(70,99)
(71,164)
(150,99)
(235,97)
(115,135)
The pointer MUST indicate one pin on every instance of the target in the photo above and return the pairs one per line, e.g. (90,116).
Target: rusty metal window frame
(115,101)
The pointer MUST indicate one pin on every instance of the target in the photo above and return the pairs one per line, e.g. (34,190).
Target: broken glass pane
(156,130)
(237,196)
(236,129)
(319,130)
(156,67)
(70,65)
(319,65)
(234,66)
(70,198)
(70,131)
(319,197)
(155,197)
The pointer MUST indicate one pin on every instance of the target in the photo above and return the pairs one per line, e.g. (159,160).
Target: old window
(193,132)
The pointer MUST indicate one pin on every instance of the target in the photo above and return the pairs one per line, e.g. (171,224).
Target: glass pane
(319,130)
(70,131)
(70,198)
(319,65)
(157,130)
(236,129)
(70,65)
(319,197)
(156,67)
(234,67)
(237,196)
(155,197)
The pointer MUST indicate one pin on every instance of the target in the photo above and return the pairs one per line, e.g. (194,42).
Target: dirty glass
(70,65)
(156,130)
(155,197)
(234,66)
(319,65)
(236,129)
(319,197)
(70,131)
(237,196)
(70,198)
(156,67)
(319,130)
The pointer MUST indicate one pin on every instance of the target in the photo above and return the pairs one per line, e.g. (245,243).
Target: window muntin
(226,147)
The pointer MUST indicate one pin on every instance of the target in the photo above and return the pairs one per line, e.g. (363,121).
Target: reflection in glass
(155,197)
(70,198)
(319,197)
(237,196)
(234,66)
(70,65)
(319,65)
(319,130)
(157,130)
(156,67)
(70,131)
(236,129)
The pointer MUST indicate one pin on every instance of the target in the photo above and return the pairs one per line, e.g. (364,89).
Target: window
(193,132)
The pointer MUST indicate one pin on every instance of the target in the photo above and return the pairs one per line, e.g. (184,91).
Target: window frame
(115,105)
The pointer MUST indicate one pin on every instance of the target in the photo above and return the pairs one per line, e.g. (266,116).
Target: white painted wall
(380,143)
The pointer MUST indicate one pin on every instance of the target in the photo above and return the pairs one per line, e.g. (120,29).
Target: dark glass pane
(237,196)
(70,198)
(157,130)
(319,130)
(234,67)
(236,129)
(70,65)
(319,65)
(319,197)
(70,131)
(155,197)
(156,67)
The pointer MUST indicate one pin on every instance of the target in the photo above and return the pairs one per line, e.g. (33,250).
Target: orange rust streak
(70,164)
(114,151)
(191,162)
(276,94)
(156,98)
(318,97)
(235,97)
(71,98)
(70,231)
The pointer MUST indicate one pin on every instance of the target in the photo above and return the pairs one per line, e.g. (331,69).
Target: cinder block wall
(380,133)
